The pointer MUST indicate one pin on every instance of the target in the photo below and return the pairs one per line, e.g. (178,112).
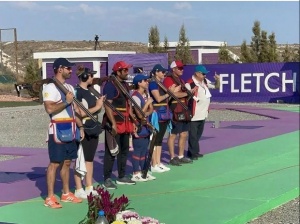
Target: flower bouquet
(104,201)
(114,209)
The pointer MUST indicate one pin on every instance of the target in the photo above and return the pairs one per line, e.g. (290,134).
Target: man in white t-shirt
(64,116)
(200,86)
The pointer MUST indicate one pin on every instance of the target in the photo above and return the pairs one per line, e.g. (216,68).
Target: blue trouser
(140,146)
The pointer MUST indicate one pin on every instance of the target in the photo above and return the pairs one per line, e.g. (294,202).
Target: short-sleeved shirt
(138,101)
(110,91)
(168,81)
(51,93)
(85,97)
(153,86)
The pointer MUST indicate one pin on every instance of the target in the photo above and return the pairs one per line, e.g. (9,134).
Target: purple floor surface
(28,172)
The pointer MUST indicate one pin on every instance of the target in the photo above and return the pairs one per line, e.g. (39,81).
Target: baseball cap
(138,78)
(201,68)
(62,62)
(158,67)
(120,65)
(87,71)
(177,64)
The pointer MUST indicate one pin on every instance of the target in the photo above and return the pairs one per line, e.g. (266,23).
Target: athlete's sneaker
(81,194)
(138,178)
(91,190)
(165,168)
(70,197)
(125,180)
(108,184)
(150,177)
(157,169)
(52,202)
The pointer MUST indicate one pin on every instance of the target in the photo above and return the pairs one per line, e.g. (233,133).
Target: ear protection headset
(84,77)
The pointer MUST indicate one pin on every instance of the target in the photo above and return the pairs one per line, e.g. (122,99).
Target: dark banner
(253,82)
(144,61)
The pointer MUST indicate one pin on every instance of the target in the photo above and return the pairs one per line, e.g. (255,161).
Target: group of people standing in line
(166,103)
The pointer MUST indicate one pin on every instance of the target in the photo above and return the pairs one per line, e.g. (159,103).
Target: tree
(245,53)
(224,55)
(273,55)
(183,51)
(165,50)
(255,41)
(154,40)
(263,51)
(166,45)
(32,74)
(296,56)
(286,54)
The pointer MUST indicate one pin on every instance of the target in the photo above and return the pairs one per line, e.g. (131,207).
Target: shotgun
(151,127)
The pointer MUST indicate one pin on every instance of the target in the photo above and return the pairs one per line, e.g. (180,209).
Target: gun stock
(98,95)
(65,91)
(170,93)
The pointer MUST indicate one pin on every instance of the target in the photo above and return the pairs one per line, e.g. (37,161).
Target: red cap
(177,64)
(120,65)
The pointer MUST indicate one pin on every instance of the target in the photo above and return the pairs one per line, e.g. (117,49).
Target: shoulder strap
(192,83)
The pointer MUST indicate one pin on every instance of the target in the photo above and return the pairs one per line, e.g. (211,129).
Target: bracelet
(80,127)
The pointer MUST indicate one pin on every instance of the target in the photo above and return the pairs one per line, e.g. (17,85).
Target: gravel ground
(27,127)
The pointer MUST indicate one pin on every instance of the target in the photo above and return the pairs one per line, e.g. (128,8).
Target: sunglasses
(180,68)
(68,68)
(161,71)
(91,75)
(124,69)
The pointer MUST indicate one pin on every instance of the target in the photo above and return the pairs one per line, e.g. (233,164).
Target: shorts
(89,145)
(179,127)
(61,152)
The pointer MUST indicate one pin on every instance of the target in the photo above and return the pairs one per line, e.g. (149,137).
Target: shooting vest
(162,108)
(64,128)
(121,103)
(144,131)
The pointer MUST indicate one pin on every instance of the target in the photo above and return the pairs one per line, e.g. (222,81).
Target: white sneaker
(150,177)
(157,169)
(164,167)
(138,178)
(80,194)
(88,192)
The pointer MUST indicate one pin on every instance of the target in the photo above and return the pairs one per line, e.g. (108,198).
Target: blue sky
(130,21)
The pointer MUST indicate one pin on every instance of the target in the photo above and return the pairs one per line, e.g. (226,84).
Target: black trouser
(195,133)
(123,143)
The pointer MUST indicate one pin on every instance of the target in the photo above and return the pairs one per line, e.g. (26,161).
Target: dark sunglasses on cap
(164,72)
(68,68)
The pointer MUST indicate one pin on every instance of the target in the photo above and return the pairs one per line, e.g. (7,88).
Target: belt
(175,101)
(159,104)
(88,118)
(121,108)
